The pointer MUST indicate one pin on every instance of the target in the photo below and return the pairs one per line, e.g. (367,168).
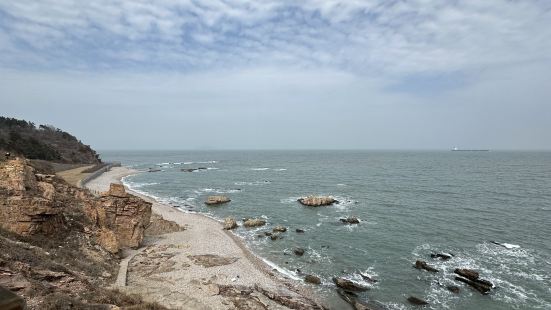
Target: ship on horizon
(456,149)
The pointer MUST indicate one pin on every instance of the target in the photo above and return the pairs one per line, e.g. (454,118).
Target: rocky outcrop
(229,223)
(349,285)
(472,278)
(317,201)
(423,265)
(254,222)
(312,279)
(159,226)
(279,228)
(217,200)
(126,215)
(27,203)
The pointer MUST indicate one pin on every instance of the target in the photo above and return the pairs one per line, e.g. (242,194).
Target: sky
(310,74)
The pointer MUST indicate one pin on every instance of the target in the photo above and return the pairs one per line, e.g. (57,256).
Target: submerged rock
(453,289)
(467,273)
(423,265)
(443,256)
(350,220)
(471,278)
(254,222)
(298,251)
(275,236)
(229,223)
(417,301)
(312,279)
(300,231)
(216,200)
(317,201)
(349,285)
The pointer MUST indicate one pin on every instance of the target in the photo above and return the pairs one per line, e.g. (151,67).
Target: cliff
(60,243)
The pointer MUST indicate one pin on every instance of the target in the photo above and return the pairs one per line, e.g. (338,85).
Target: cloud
(392,38)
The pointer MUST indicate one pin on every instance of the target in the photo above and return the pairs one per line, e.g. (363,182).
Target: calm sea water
(411,204)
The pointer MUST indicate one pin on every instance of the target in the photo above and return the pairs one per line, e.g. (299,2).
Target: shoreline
(257,270)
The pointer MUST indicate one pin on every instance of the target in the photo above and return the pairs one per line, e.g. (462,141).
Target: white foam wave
(255,183)
(260,169)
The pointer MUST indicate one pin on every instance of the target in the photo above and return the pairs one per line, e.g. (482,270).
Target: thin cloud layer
(393,38)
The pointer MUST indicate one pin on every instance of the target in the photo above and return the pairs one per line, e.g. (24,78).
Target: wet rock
(350,220)
(298,251)
(467,273)
(454,289)
(312,279)
(267,234)
(275,236)
(229,223)
(216,200)
(368,278)
(349,285)
(300,231)
(254,223)
(423,265)
(317,201)
(481,287)
(417,301)
(443,256)
(279,228)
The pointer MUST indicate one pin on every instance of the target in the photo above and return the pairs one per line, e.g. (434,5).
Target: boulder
(350,220)
(417,301)
(300,231)
(116,190)
(482,286)
(279,228)
(216,200)
(254,222)
(349,285)
(229,223)
(467,273)
(312,279)
(275,236)
(298,251)
(423,265)
(317,201)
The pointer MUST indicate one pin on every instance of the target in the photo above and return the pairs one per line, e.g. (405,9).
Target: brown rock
(229,223)
(467,273)
(349,285)
(116,190)
(350,220)
(423,265)
(317,201)
(159,226)
(254,222)
(216,200)
(312,279)
(106,239)
(279,228)
(298,251)
(453,289)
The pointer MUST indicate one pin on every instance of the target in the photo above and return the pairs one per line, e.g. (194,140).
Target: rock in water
(254,222)
(423,265)
(279,228)
(312,279)
(349,285)
(298,251)
(453,289)
(467,273)
(443,256)
(300,231)
(317,201)
(229,223)
(350,220)
(216,200)
(417,301)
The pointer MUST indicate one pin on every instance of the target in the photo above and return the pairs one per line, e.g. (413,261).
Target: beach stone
(211,260)
(349,285)
(216,200)
(317,201)
(312,279)
(350,220)
(279,228)
(417,301)
(229,223)
(300,231)
(298,251)
(419,264)
(254,222)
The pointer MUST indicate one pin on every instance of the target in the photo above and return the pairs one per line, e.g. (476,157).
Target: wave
(255,183)
(260,169)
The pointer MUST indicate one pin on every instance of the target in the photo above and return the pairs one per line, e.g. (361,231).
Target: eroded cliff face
(37,204)
(57,242)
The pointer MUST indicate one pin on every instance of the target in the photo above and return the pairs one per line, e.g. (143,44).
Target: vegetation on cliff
(43,142)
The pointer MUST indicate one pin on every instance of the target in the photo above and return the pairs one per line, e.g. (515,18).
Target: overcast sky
(314,74)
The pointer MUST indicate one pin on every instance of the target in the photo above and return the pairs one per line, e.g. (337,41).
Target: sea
(490,210)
